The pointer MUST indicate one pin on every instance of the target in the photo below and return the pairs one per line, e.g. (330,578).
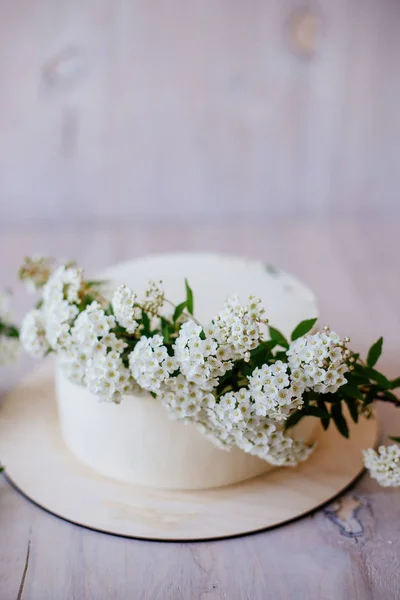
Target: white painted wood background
(147,108)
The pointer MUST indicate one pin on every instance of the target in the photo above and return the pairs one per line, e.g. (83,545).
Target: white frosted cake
(135,441)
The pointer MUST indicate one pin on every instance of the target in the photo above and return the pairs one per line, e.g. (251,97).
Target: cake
(135,441)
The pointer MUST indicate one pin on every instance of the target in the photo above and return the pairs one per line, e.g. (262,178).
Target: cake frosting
(135,441)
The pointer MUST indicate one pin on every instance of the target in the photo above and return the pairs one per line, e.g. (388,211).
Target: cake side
(136,442)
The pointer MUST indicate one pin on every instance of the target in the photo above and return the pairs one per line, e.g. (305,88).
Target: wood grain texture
(355,271)
(190,110)
(41,465)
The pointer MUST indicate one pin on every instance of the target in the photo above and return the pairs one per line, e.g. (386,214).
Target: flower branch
(238,379)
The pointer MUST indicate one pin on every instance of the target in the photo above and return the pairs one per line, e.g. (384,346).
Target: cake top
(214,277)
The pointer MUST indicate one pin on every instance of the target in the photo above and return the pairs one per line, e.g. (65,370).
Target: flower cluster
(199,357)
(153,298)
(274,391)
(319,362)
(238,328)
(33,334)
(46,328)
(184,399)
(125,311)
(384,465)
(150,363)
(35,272)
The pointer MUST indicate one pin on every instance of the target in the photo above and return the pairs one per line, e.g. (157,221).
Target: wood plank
(213,109)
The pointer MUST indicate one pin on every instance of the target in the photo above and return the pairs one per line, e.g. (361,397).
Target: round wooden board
(39,465)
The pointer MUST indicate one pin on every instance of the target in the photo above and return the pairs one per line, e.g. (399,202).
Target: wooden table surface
(347,550)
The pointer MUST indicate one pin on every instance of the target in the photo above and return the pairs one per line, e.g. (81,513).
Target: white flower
(60,295)
(33,334)
(272,392)
(123,303)
(154,298)
(238,328)
(237,421)
(319,361)
(184,399)
(91,324)
(384,465)
(35,272)
(282,450)
(107,377)
(150,363)
(199,360)
(64,283)
(114,343)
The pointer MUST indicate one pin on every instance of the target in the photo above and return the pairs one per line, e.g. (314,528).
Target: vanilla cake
(135,441)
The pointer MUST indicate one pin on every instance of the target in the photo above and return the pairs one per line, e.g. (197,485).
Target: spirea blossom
(184,399)
(319,362)
(125,312)
(238,328)
(273,392)
(150,363)
(90,325)
(153,298)
(199,357)
(384,464)
(236,421)
(106,376)
(35,272)
(60,295)
(33,334)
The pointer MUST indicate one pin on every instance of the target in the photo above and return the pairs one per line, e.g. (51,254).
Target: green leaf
(378,377)
(395,439)
(355,378)
(9,330)
(374,352)
(395,383)
(370,396)
(339,420)
(165,330)
(391,397)
(189,297)
(145,323)
(353,408)
(351,391)
(263,347)
(322,406)
(178,311)
(278,337)
(303,328)
(96,281)
(315,411)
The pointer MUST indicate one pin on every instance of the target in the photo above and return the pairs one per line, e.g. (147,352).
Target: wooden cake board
(39,465)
